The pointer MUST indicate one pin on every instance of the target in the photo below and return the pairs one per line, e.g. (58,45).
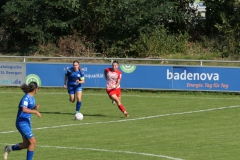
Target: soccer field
(162,126)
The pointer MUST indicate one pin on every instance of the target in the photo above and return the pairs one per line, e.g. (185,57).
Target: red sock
(121,107)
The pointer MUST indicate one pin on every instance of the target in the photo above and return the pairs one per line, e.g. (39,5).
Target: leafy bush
(159,43)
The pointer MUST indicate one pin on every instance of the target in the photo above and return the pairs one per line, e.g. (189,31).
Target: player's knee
(118,101)
(33,141)
(71,100)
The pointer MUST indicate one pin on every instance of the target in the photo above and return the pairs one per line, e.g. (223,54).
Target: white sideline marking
(142,96)
(114,151)
(125,120)
(106,150)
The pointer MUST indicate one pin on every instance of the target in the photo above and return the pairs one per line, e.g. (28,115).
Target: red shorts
(116,91)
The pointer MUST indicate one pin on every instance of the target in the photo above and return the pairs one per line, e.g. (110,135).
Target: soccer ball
(79,116)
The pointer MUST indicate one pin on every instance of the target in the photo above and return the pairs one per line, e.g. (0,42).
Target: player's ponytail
(29,88)
(80,68)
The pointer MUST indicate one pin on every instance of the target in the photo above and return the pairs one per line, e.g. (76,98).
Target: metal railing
(198,62)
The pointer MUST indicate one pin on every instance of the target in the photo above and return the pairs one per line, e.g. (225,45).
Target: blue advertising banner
(52,75)
(205,78)
(135,77)
(156,77)
(146,77)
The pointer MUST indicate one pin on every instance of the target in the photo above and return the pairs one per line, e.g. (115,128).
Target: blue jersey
(28,102)
(73,76)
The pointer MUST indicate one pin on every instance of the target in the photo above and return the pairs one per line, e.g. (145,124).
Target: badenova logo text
(192,76)
(33,78)
(128,68)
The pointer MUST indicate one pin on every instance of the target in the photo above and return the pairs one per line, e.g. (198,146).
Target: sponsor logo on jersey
(25,103)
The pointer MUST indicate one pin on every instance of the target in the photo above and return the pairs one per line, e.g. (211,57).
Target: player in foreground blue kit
(74,78)
(26,108)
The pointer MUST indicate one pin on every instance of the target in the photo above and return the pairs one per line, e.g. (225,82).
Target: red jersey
(112,77)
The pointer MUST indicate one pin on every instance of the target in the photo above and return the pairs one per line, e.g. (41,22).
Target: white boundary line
(126,120)
(106,150)
(115,151)
(142,96)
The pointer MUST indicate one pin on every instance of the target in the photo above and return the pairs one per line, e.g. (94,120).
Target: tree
(115,25)
(223,24)
(37,22)
(111,26)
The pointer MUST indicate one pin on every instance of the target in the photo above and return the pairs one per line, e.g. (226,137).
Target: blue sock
(30,155)
(16,147)
(78,106)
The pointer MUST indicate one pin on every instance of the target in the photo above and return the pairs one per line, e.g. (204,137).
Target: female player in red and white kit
(113,77)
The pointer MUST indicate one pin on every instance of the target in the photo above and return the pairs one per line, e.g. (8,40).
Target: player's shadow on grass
(96,115)
(56,113)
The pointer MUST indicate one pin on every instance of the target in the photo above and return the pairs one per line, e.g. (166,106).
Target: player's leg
(25,130)
(79,99)
(16,147)
(31,147)
(7,150)
(31,142)
(117,92)
(71,92)
(112,93)
(113,102)
(24,144)
(72,98)
(108,91)
(117,99)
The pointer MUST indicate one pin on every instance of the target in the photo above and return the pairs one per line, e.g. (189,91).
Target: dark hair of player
(30,87)
(115,62)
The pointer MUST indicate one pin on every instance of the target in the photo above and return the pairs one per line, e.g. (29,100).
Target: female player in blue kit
(26,108)
(74,78)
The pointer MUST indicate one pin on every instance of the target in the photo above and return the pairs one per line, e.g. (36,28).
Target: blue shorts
(74,89)
(24,128)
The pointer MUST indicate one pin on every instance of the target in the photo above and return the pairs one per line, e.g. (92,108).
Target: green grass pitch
(162,126)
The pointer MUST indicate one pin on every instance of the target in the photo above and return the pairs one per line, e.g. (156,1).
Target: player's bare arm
(117,84)
(80,81)
(65,81)
(26,110)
